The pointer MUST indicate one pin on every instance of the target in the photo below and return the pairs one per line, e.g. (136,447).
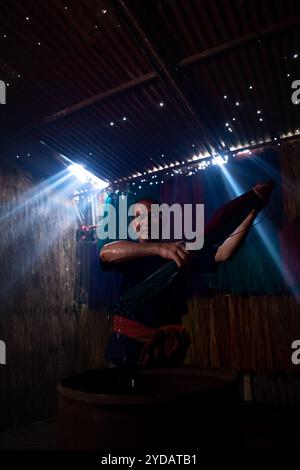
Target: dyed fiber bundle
(135,298)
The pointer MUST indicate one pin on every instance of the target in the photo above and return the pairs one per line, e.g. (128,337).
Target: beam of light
(85,176)
(57,187)
(78,171)
(31,249)
(29,197)
(235,187)
(270,170)
(219,160)
(25,216)
(22,215)
(264,232)
(33,228)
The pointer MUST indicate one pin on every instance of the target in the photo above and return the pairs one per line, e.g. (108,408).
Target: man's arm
(120,251)
(231,245)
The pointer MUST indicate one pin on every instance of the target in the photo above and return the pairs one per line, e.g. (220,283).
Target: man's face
(143,221)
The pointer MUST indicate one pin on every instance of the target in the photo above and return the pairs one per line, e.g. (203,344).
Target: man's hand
(176,252)
(123,250)
(263,191)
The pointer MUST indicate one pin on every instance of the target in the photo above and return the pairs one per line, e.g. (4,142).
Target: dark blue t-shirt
(166,308)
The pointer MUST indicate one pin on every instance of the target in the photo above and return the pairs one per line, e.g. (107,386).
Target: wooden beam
(198,57)
(99,97)
(166,74)
(241,41)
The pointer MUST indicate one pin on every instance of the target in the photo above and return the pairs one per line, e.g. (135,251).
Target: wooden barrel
(152,408)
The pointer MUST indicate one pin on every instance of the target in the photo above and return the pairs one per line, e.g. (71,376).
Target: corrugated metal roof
(75,67)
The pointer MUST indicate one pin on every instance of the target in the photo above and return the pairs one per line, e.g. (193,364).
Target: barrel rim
(117,400)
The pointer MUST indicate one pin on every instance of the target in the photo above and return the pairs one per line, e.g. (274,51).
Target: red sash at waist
(167,343)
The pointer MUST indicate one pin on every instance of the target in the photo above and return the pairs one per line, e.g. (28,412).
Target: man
(154,335)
